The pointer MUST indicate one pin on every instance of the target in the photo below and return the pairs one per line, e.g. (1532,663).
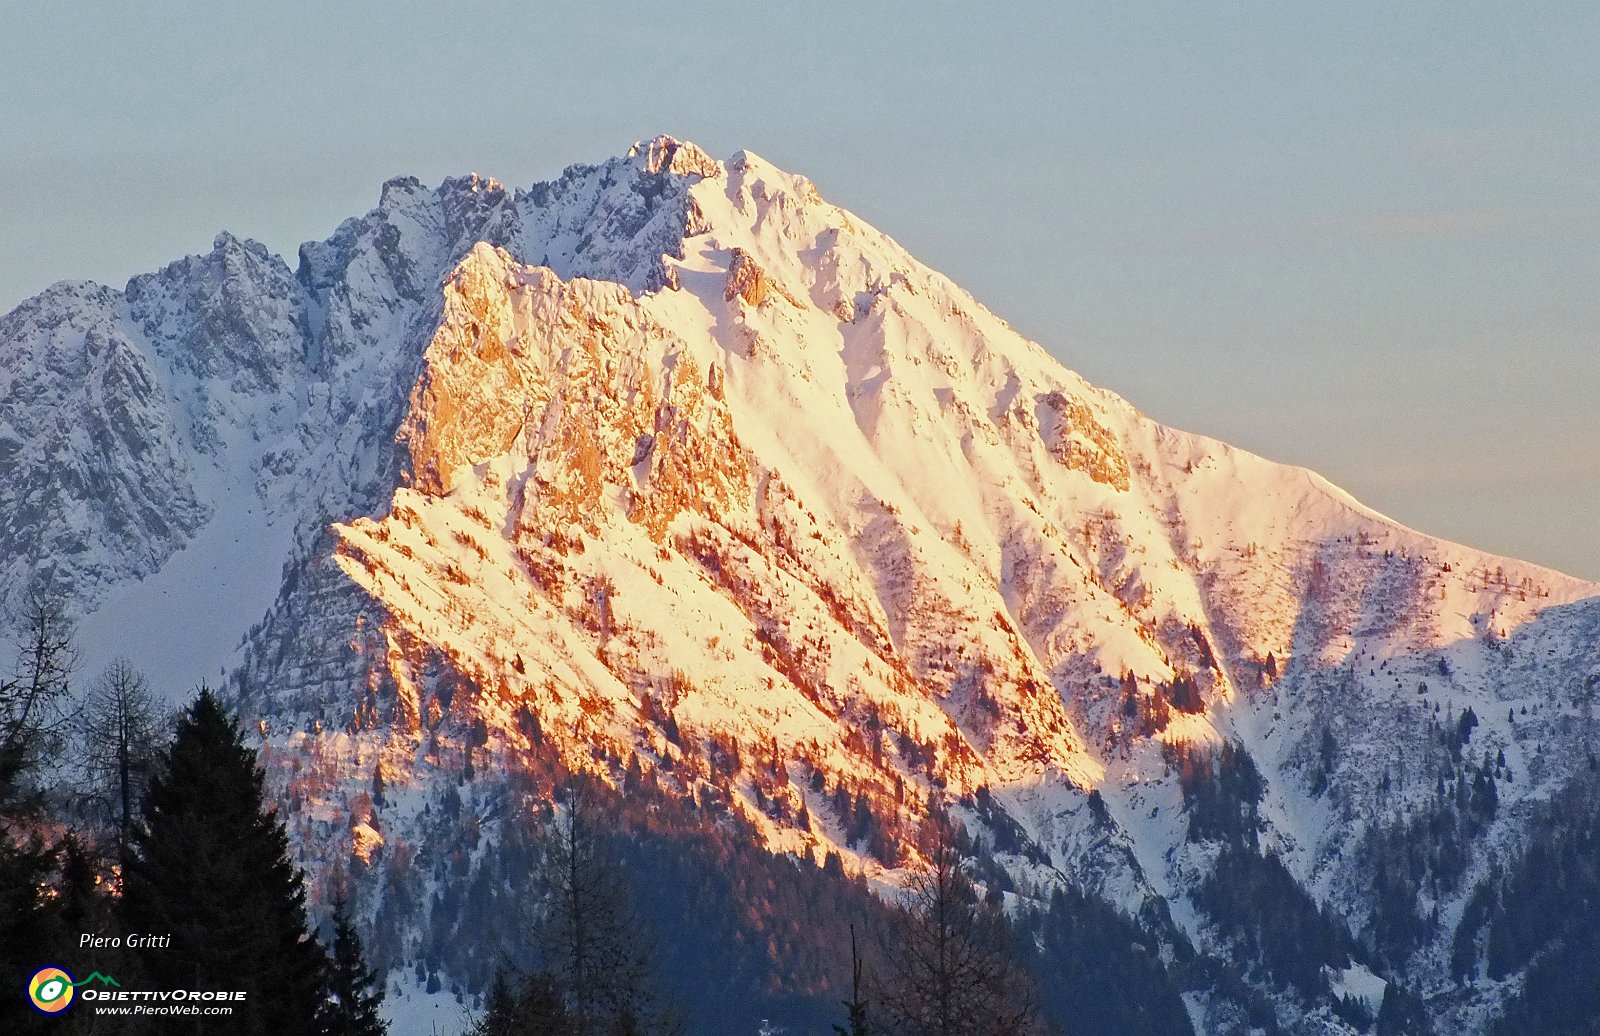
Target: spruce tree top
(209,863)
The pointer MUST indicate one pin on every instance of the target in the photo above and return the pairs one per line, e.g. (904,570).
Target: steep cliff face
(671,466)
(97,486)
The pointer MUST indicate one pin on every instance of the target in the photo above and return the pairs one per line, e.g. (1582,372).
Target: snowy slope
(673,462)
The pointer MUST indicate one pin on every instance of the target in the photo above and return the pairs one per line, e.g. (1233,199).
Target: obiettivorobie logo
(50,989)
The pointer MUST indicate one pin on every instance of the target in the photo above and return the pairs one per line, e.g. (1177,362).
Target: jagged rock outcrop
(746,280)
(1082,443)
(470,402)
(664,154)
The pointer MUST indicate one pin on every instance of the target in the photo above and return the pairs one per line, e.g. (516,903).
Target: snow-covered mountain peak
(786,316)
(669,465)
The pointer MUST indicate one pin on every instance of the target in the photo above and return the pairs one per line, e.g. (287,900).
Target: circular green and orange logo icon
(50,990)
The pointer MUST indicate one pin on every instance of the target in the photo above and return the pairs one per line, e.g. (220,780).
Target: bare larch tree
(118,736)
(593,943)
(949,972)
(35,704)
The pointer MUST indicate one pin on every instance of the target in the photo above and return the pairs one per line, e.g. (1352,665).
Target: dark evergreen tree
(532,1008)
(499,1010)
(541,1009)
(354,993)
(1184,693)
(1401,1014)
(209,863)
(1087,948)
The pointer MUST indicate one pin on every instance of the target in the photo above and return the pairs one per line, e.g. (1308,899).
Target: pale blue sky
(1364,237)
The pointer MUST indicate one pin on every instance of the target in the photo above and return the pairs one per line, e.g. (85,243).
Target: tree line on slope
(945,967)
(1274,926)
(756,938)
(1539,914)
(170,828)
(1422,856)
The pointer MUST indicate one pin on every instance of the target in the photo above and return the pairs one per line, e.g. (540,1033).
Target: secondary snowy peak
(233,317)
(613,220)
(225,377)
